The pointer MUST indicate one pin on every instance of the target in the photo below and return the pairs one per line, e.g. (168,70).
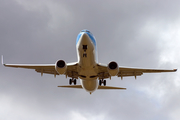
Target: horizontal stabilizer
(72,86)
(99,87)
(110,87)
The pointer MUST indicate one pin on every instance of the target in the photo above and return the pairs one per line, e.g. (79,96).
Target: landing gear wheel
(100,82)
(104,82)
(74,81)
(70,81)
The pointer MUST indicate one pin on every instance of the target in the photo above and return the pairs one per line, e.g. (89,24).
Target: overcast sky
(136,33)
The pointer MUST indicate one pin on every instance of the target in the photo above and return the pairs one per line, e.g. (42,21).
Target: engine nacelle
(113,68)
(61,66)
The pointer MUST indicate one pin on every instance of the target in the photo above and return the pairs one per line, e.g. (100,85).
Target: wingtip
(175,70)
(2,60)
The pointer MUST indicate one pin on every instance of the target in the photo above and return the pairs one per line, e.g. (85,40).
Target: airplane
(87,68)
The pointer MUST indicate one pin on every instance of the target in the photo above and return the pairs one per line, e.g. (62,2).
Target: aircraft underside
(87,68)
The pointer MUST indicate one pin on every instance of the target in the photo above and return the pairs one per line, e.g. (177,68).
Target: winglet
(2,60)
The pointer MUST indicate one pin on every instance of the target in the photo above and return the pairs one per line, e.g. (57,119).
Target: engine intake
(61,63)
(113,68)
(112,65)
(61,66)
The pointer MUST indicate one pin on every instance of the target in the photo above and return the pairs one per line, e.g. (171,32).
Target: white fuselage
(87,61)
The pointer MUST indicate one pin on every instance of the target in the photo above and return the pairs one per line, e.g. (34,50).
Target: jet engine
(61,66)
(113,68)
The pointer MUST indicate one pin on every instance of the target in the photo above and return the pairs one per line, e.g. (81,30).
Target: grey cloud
(118,26)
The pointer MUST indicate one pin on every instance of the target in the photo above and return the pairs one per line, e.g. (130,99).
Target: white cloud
(175,114)
(77,116)
(59,12)
(85,116)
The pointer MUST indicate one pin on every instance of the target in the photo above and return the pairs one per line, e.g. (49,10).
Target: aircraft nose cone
(85,36)
(85,39)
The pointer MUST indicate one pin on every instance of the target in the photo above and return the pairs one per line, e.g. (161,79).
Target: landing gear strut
(102,81)
(72,81)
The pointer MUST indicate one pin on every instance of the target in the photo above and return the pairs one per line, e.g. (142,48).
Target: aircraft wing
(47,68)
(128,71)
(42,68)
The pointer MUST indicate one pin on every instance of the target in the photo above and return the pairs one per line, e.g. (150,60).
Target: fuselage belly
(87,62)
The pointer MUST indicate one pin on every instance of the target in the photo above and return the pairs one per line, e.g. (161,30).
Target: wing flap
(131,73)
(47,71)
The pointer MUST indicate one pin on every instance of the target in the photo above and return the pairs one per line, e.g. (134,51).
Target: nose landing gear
(72,81)
(84,55)
(84,48)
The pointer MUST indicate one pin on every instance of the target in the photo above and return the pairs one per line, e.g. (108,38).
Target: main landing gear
(102,81)
(73,80)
